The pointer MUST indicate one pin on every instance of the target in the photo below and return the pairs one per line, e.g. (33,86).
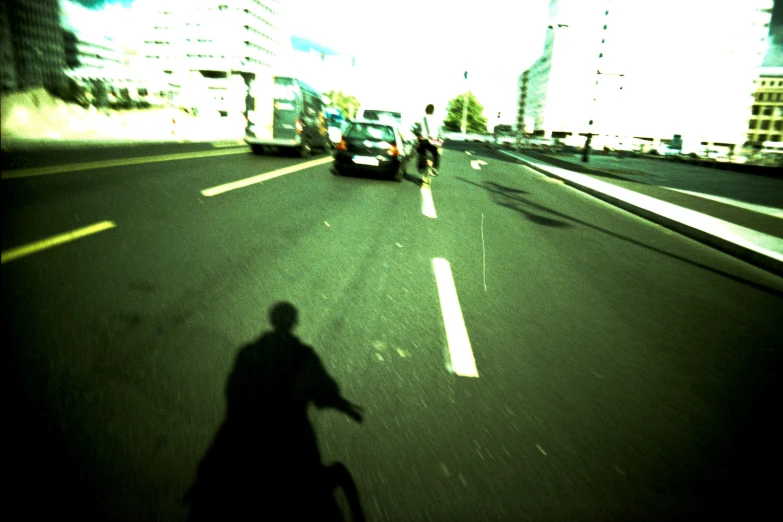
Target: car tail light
(393,151)
(299,126)
(343,145)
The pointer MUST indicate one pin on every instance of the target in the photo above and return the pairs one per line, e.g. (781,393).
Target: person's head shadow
(265,460)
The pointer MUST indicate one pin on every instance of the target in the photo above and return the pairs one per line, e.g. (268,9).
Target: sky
(415,52)
(418,50)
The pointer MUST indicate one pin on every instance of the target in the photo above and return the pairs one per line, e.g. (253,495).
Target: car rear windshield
(383,116)
(373,132)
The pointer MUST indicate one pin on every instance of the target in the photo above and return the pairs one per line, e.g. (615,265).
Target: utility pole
(465,108)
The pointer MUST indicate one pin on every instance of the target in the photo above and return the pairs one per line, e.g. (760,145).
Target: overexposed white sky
(417,50)
(411,52)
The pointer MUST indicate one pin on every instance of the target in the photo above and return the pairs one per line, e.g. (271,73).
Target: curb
(770,260)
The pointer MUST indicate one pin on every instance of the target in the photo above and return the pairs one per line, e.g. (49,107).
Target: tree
(347,104)
(477,123)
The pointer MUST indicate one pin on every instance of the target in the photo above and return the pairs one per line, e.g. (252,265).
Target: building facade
(92,55)
(522,86)
(766,116)
(210,49)
(31,45)
(619,71)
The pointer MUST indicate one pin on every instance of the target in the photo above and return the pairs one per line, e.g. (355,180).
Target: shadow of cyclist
(265,459)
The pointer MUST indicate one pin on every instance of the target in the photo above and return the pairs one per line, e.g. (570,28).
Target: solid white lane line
(229,143)
(462,361)
(75,167)
(427,204)
(31,248)
(483,253)
(764,244)
(770,211)
(242,183)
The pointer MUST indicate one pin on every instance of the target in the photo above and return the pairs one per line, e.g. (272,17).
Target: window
(778,125)
(752,124)
(780,96)
(780,83)
(759,96)
(371,131)
(768,110)
(775,137)
(751,137)
(762,137)
(764,125)
(763,83)
(756,110)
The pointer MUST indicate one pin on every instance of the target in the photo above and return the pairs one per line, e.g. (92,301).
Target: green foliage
(477,123)
(347,104)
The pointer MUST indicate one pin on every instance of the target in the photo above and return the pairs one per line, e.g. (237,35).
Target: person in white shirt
(429,133)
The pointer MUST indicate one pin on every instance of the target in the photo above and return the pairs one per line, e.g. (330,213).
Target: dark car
(372,147)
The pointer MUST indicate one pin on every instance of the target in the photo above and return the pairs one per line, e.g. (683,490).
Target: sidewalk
(36,120)
(738,213)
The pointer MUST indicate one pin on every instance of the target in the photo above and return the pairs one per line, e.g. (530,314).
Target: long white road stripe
(31,248)
(462,361)
(770,211)
(764,244)
(427,204)
(220,189)
(123,162)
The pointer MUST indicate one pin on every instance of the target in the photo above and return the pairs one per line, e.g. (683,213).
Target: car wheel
(305,150)
(399,174)
(257,149)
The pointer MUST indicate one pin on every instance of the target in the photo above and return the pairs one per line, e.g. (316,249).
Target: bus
(285,112)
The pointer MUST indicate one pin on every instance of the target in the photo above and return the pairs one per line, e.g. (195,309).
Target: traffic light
(466,75)
(498,115)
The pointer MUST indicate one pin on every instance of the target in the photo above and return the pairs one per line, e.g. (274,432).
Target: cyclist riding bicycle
(429,141)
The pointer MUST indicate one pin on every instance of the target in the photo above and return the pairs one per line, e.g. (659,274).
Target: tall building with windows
(649,70)
(210,46)
(31,44)
(766,117)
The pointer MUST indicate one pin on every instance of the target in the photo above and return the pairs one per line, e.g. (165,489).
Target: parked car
(372,147)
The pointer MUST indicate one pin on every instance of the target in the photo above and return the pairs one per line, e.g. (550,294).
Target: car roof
(375,122)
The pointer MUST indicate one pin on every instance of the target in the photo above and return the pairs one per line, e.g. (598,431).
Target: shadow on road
(265,461)
(510,198)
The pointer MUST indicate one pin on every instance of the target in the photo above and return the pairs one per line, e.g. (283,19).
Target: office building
(31,44)
(766,117)
(620,69)
(210,49)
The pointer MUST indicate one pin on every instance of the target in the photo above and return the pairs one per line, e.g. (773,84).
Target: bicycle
(429,169)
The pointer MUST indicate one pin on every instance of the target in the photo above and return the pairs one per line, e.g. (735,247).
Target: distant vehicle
(285,112)
(336,123)
(404,126)
(372,147)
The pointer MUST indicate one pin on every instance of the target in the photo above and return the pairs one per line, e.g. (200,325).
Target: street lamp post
(590,134)
(465,108)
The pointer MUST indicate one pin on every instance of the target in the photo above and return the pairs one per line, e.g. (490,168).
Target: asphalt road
(624,372)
